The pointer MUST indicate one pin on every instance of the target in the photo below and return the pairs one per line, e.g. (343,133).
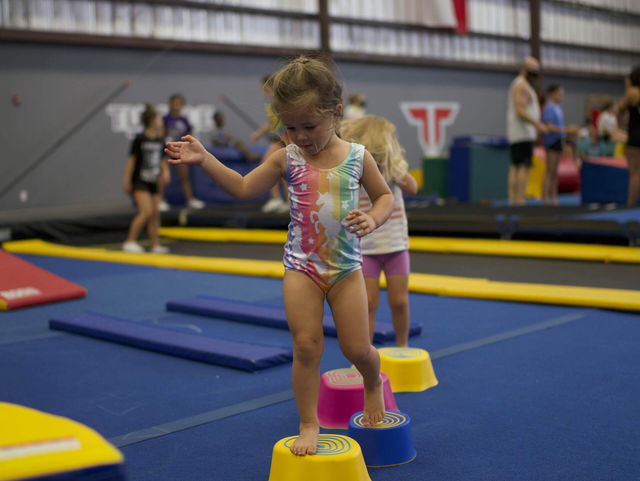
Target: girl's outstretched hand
(189,151)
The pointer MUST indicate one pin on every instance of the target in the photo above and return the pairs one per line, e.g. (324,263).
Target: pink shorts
(396,263)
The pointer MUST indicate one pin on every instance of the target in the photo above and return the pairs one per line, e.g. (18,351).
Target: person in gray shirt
(523,127)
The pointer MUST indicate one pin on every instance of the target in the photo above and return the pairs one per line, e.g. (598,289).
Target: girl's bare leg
(550,185)
(633,158)
(304,305)
(154,221)
(348,302)
(373,300)
(185,182)
(145,211)
(398,294)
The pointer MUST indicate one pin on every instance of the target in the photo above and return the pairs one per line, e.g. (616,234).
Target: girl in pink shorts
(387,248)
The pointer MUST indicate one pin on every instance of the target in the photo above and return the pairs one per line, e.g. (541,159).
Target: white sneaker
(284,208)
(160,250)
(163,206)
(272,205)
(195,204)
(132,247)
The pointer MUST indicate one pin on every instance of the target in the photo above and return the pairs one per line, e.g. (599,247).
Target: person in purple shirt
(553,118)
(177,126)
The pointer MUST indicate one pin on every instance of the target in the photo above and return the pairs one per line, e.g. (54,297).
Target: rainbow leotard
(319,243)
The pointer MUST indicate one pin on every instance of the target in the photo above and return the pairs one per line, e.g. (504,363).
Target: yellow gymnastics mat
(38,445)
(444,245)
(421,283)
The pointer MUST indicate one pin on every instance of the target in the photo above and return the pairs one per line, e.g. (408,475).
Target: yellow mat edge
(511,248)
(421,283)
(97,450)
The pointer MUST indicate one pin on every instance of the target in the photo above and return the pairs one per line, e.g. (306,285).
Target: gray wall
(60,84)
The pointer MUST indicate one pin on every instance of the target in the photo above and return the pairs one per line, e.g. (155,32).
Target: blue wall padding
(459,168)
(239,355)
(604,184)
(267,315)
(478,165)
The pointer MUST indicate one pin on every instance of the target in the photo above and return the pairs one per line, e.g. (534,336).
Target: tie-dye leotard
(319,243)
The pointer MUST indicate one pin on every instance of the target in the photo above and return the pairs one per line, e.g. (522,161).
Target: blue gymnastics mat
(262,314)
(621,216)
(238,355)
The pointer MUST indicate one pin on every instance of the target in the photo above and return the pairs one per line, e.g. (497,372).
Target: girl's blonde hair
(379,137)
(307,84)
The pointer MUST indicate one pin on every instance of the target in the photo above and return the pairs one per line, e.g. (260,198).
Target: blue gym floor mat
(238,355)
(554,405)
(262,314)
(563,199)
(621,216)
(558,404)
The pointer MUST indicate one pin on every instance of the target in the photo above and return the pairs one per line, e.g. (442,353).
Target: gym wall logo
(20,293)
(125,118)
(432,120)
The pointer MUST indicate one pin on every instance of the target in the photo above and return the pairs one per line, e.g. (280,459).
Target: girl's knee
(399,302)
(145,215)
(307,350)
(357,353)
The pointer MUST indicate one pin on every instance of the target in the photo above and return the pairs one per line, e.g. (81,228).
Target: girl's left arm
(409,185)
(381,198)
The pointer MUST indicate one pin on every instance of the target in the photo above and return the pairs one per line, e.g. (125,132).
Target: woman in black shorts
(145,167)
(631,101)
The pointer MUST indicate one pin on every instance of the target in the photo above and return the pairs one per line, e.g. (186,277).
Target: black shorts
(522,153)
(151,187)
(556,146)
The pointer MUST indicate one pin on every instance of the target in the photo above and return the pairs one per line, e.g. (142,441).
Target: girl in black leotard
(631,101)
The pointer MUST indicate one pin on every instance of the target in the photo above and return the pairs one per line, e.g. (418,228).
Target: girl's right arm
(257,182)
(128,172)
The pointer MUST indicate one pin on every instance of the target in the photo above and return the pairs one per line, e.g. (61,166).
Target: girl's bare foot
(373,404)
(307,441)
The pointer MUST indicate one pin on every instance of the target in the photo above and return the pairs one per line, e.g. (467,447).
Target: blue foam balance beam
(270,316)
(238,355)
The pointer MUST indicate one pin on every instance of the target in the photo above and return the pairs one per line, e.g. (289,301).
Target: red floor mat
(22,284)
